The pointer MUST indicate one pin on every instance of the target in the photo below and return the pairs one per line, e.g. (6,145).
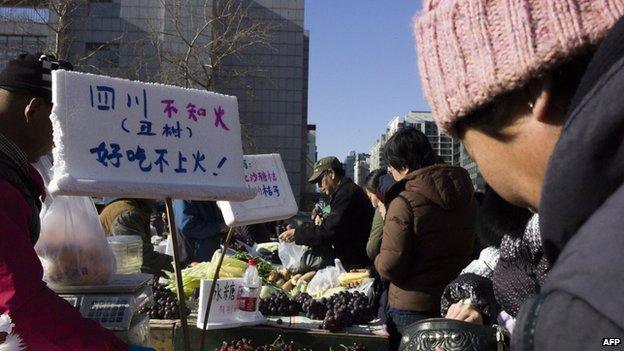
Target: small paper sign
(267,177)
(224,309)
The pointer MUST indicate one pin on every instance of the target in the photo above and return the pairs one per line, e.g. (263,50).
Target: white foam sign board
(115,137)
(266,176)
(224,308)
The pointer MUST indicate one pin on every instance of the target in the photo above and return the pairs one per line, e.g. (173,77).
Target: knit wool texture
(471,51)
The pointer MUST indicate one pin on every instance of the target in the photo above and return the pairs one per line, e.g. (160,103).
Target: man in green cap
(344,231)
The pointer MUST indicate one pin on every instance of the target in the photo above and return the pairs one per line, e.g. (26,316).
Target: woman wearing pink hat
(533,88)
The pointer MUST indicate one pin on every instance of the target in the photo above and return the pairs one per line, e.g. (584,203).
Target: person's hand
(314,214)
(464,312)
(288,236)
(318,220)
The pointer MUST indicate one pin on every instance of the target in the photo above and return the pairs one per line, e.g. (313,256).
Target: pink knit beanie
(470,51)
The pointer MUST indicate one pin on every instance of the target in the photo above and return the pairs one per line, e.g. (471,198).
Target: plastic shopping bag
(325,278)
(72,246)
(365,287)
(290,254)
(44,167)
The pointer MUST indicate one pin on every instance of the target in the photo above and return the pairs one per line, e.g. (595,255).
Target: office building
(471,166)
(137,39)
(310,195)
(349,164)
(361,168)
(446,147)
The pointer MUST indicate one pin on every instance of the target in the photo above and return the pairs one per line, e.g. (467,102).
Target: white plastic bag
(290,254)
(72,246)
(365,287)
(44,167)
(325,278)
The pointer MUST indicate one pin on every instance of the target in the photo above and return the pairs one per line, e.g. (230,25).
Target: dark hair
(494,116)
(371,183)
(497,217)
(409,148)
(338,171)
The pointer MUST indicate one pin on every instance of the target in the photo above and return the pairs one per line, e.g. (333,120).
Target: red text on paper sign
(261,176)
(195,112)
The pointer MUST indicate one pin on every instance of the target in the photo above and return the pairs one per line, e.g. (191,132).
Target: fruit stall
(328,309)
(166,336)
(336,314)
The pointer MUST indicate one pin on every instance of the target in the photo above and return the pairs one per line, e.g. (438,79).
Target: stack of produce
(165,304)
(340,310)
(264,268)
(279,304)
(353,279)
(245,344)
(294,284)
(337,312)
(192,276)
(268,247)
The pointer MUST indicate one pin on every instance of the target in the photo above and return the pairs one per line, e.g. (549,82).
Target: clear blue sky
(362,70)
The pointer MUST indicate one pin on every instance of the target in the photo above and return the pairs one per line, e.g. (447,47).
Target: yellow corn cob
(349,278)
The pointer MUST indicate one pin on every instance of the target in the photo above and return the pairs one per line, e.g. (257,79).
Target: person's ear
(31,109)
(541,100)
(332,174)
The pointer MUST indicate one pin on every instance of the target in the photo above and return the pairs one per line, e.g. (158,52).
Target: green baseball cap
(321,166)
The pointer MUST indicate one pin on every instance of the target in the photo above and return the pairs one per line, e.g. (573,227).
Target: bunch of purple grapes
(165,304)
(302,299)
(237,345)
(280,346)
(248,345)
(340,311)
(337,312)
(279,304)
(315,309)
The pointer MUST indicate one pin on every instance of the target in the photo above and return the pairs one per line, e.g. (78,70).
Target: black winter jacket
(346,227)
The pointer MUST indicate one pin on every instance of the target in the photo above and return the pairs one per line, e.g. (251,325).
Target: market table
(167,336)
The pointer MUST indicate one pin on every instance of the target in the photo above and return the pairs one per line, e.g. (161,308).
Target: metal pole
(178,273)
(212,288)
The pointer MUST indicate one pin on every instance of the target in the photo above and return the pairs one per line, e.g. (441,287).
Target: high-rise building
(361,168)
(445,146)
(376,160)
(376,152)
(310,195)
(471,166)
(311,149)
(349,164)
(126,38)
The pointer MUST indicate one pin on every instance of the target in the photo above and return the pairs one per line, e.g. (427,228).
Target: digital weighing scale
(116,305)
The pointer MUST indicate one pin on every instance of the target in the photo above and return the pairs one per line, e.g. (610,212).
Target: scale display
(115,305)
(113,312)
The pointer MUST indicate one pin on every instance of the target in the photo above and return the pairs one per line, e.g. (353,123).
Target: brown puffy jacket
(428,236)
